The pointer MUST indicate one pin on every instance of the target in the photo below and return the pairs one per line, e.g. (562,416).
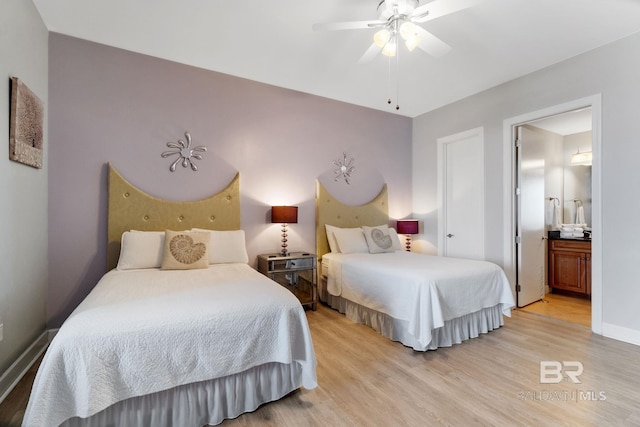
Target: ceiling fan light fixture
(407,30)
(402,19)
(381,38)
(389,49)
(412,42)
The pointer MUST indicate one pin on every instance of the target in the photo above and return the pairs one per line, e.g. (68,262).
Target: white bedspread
(143,331)
(421,289)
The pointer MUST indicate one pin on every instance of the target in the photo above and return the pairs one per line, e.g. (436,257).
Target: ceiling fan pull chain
(389,90)
(400,21)
(397,75)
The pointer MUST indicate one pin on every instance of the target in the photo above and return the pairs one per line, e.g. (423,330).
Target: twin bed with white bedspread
(165,347)
(422,301)
(145,331)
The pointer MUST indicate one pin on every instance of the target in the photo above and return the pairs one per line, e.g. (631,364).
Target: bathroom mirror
(576,177)
(577,190)
(563,145)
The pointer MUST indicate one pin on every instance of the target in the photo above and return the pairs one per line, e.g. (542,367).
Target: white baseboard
(19,368)
(620,333)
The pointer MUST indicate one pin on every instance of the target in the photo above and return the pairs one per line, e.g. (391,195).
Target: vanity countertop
(579,239)
(555,235)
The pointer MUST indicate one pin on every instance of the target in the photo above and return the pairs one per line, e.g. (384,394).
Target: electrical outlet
(1,331)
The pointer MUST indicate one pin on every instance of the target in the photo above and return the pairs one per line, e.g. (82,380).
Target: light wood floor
(562,307)
(367,380)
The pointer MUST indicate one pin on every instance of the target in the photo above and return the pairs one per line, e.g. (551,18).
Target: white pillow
(351,240)
(395,240)
(141,249)
(226,246)
(378,239)
(331,238)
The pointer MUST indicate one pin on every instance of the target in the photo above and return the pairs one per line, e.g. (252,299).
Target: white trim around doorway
(509,125)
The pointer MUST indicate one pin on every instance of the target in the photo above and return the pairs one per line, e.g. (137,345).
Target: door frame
(509,211)
(442,182)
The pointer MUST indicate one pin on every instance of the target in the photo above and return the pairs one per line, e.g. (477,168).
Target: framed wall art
(26,135)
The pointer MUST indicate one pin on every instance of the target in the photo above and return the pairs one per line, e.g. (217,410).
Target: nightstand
(296,272)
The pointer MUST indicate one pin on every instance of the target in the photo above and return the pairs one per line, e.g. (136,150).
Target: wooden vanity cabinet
(570,265)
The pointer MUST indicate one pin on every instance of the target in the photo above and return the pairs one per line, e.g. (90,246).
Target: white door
(461,189)
(530,191)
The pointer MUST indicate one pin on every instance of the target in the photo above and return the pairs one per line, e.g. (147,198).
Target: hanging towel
(572,230)
(571,234)
(580,215)
(556,220)
(556,214)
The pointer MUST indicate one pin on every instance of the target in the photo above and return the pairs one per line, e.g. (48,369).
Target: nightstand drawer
(297,272)
(299,283)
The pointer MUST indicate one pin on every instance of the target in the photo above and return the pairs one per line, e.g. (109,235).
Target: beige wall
(23,190)
(611,71)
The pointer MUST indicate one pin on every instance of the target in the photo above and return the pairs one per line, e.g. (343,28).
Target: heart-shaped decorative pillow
(185,251)
(378,238)
(381,239)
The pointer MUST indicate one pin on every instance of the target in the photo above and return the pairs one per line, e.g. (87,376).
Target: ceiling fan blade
(371,53)
(352,25)
(439,8)
(431,44)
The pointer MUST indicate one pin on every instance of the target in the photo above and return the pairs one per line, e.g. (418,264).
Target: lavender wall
(110,105)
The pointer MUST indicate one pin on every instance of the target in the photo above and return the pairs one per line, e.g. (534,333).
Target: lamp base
(283,251)
(407,245)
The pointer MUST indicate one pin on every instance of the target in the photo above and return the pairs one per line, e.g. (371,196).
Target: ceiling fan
(399,20)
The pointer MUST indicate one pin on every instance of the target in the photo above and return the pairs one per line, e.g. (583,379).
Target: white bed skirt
(199,404)
(453,332)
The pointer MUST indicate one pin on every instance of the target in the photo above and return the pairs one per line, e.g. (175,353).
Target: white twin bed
(422,301)
(173,347)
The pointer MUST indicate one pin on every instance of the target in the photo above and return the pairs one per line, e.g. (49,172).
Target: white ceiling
(272,42)
(567,123)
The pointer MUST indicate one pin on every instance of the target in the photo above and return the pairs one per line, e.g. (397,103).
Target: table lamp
(407,227)
(284,215)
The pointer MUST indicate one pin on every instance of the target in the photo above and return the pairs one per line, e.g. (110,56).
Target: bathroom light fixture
(408,227)
(584,158)
(284,215)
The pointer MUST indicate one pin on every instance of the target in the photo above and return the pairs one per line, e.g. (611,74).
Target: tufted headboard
(333,212)
(132,209)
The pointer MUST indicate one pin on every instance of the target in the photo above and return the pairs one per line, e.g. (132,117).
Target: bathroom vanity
(570,265)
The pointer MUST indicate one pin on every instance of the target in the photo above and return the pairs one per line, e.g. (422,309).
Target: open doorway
(562,277)
(554,211)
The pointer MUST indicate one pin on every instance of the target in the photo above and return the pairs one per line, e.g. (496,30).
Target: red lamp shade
(284,214)
(407,226)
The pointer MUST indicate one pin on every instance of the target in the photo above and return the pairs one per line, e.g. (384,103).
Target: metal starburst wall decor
(185,153)
(344,168)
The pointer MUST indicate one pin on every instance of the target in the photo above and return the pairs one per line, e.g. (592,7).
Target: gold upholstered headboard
(333,212)
(132,209)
